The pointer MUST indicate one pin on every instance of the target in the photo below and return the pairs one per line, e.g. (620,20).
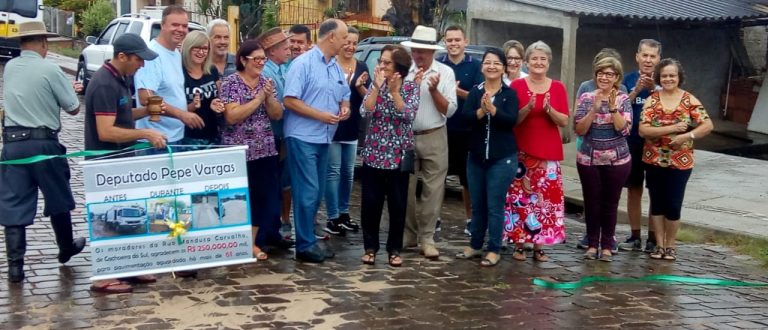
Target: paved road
(342,293)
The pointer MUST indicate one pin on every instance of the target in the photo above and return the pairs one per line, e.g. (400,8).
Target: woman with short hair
(391,105)
(251,101)
(535,202)
(671,120)
(603,118)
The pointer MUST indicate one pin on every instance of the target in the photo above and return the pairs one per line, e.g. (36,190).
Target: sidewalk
(725,193)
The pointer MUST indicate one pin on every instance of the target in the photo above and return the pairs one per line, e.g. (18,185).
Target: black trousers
(378,185)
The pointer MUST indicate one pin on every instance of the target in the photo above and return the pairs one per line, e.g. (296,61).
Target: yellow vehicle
(13,13)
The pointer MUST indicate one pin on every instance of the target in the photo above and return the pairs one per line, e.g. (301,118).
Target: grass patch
(73,52)
(754,247)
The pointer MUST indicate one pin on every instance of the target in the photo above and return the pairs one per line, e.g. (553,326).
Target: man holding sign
(110,117)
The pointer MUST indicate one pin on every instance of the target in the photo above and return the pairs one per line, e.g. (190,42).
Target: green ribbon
(650,278)
(82,153)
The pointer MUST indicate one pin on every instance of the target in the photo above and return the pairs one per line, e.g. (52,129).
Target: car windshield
(130,213)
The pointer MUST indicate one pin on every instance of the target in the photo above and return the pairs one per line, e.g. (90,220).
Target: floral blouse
(658,152)
(255,131)
(389,132)
(603,144)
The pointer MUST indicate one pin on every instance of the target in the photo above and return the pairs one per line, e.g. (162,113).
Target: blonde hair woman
(201,85)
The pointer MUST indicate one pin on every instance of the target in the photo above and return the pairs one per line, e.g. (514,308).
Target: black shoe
(15,247)
(346,222)
(15,273)
(314,255)
(77,246)
(333,227)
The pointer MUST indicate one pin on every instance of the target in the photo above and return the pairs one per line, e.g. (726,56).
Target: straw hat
(272,37)
(423,37)
(33,28)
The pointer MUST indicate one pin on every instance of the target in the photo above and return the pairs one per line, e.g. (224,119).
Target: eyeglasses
(489,63)
(200,49)
(386,63)
(609,75)
(514,59)
(257,59)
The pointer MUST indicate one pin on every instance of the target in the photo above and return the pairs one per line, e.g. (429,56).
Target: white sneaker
(466,228)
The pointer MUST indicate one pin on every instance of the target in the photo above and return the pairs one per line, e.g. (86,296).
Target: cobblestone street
(343,293)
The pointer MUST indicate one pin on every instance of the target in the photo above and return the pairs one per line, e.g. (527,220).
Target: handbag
(407,163)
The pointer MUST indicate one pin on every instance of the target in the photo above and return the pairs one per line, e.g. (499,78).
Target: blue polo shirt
(275,72)
(630,81)
(320,85)
(468,75)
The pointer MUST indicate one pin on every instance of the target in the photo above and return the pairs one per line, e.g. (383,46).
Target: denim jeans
(308,168)
(488,184)
(341,169)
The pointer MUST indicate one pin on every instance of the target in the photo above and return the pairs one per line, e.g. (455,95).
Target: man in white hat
(438,103)
(35,92)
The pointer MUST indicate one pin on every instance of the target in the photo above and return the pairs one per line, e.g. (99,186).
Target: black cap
(130,43)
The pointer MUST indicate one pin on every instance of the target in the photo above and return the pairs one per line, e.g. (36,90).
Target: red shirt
(538,135)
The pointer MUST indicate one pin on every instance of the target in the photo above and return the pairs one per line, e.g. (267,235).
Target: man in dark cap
(110,119)
(35,92)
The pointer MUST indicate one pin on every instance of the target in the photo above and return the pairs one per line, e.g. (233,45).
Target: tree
(400,15)
(96,17)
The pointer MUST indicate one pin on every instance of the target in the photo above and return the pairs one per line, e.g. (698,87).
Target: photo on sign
(205,210)
(234,206)
(168,208)
(118,219)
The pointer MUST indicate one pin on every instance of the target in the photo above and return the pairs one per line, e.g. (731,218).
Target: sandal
(540,256)
(519,254)
(395,260)
(259,254)
(590,255)
(487,262)
(670,254)
(111,287)
(469,253)
(606,256)
(657,253)
(369,258)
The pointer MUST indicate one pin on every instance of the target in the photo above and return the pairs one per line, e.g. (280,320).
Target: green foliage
(269,18)
(96,17)
(329,12)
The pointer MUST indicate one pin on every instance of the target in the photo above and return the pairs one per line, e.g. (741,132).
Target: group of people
(299,107)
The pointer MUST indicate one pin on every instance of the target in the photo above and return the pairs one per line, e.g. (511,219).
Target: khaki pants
(431,166)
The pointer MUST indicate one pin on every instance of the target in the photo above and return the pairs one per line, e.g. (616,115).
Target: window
(120,29)
(24,8)
(136,27)
(155,31)
(130,213)
(106,37)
